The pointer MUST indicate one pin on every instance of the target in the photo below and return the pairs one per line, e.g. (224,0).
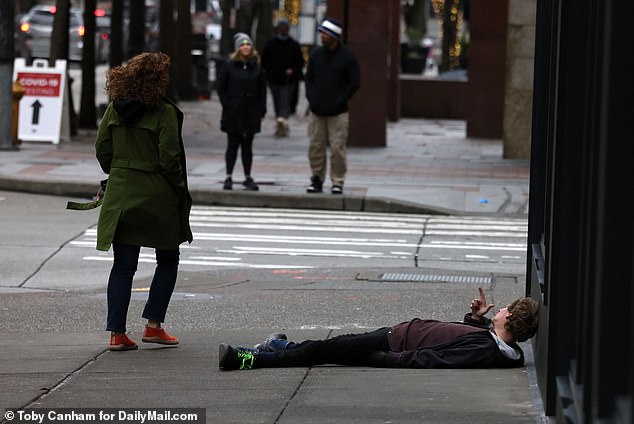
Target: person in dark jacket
(282,61)
(241,88)
(477,342)
(146,202)
(332,77)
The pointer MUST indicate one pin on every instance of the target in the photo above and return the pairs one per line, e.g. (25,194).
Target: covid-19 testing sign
(43,107)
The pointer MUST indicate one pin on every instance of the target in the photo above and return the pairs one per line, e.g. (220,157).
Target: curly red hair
(144,78)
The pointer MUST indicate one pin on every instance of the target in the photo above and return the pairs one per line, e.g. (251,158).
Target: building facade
(580,256)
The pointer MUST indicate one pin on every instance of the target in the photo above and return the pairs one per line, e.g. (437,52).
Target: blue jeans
(126,259)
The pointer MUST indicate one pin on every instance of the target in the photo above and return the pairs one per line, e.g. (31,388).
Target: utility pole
(7,12)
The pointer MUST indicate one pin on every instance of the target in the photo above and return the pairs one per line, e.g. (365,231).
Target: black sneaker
(228,185)
(250,185)
(274,342)
(238,358)
(316,186)
(336,189)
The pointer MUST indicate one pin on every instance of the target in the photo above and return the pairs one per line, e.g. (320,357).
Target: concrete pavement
(53,347)
(54,353)
(428,166)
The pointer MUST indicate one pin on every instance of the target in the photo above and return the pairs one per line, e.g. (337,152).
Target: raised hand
(479,307)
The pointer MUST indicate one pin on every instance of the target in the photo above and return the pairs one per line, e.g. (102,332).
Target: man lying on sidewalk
(477,342)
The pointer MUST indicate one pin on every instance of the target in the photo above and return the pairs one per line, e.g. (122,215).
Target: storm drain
(447,278)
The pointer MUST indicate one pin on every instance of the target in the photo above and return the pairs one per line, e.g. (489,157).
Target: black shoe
(336,189)
(238,358)
(228,185)
(274,342)
(250,185)
(316,185)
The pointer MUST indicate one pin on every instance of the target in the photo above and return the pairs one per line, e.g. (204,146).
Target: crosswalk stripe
(309,228)
(262,238)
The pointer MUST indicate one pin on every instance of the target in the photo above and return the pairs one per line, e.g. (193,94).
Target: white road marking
(297,235)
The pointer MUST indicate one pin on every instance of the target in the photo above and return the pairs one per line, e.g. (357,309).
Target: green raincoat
(147,202)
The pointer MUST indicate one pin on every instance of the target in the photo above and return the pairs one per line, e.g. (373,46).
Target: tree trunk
(233,21)
(59,37)
(87,110)
(166,41)
(182,56)
(263,12)
(136,28)
(201,63)
(116,33)
(59,50)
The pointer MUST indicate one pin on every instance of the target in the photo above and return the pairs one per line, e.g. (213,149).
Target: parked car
(35,29)
(102,36)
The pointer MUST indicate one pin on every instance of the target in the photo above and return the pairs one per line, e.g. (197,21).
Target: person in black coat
(476,342)
(283,61)
(241,88)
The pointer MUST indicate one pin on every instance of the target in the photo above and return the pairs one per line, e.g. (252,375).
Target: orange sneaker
(119,341)
(158,335)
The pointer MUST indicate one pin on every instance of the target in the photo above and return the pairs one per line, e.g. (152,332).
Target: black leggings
(234,142)
(349,349)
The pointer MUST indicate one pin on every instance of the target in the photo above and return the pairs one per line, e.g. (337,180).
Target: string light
(455,48)
(291,10)
(454,25)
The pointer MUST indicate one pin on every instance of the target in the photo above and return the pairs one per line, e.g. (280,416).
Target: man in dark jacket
(332,78)
(282,61)
(477,342)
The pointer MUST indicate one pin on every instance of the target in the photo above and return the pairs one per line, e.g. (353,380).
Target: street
(57,245)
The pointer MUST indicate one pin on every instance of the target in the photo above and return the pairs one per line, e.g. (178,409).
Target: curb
(242,198)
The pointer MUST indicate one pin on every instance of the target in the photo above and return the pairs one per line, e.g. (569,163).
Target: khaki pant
(328,131)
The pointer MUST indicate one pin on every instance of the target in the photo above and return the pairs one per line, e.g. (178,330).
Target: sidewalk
(428,166)
(63,362)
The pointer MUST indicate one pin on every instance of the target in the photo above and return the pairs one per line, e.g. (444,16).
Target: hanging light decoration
(291,10)
(454,49)
(451,29)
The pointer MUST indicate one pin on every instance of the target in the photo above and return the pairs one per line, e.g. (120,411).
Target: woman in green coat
(146,202)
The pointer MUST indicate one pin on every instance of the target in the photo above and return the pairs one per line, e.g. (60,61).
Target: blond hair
(237,57)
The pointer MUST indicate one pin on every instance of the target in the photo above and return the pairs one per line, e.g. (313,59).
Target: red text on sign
(40,85)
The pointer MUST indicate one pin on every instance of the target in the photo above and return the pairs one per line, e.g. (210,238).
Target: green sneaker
(238,358)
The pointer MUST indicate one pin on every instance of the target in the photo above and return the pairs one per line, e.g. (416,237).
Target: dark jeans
(126,259)
(349,349)
(282,99)
(234,142)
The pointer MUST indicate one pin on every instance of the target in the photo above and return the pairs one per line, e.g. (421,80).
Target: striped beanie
(331,27)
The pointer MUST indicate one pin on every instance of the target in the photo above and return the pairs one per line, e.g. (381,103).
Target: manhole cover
(436,278)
